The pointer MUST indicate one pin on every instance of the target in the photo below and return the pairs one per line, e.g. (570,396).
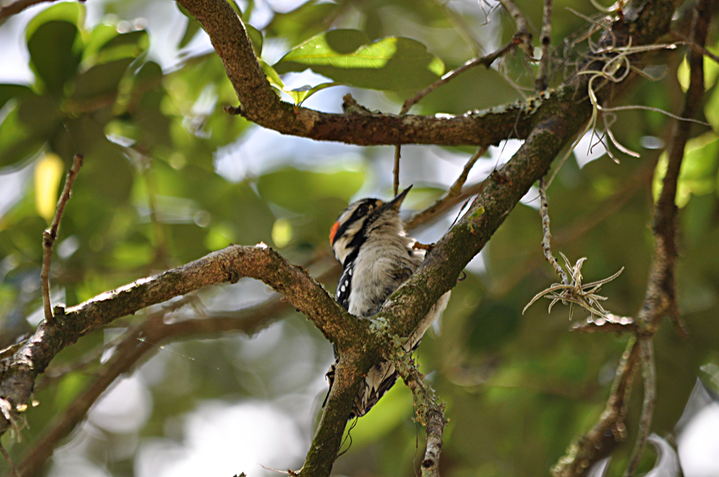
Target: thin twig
(694,46)
(646,351)
(547,234)
(456,188)
(443,204)
(486,61)
(429,413)
(540,84)
(519,20)
(49,236)
(395,171)
(8,459)
(523,32)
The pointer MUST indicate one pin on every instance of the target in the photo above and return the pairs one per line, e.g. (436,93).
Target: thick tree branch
(132,349)
(18,373)
(260,104)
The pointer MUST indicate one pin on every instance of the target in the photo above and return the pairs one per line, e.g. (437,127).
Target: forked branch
(50,235)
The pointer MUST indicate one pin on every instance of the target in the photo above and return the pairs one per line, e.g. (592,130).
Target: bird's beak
(397,201)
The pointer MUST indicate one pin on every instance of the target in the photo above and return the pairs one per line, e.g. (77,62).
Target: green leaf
(308,20)
(390,412)
(71,12)
(298,95)
(711,109)
(125,45)
(55,53)
(40,114)
(18,141)
(272,76)
(38,118)
(256,38)
(193,26)
(301,94)
(98,37)
(711,72)
(101,79)
(698,172)
(284,186)
(347,57)
(13,91)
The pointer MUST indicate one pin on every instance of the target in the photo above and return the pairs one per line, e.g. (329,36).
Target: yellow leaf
(48,172)
(282,232)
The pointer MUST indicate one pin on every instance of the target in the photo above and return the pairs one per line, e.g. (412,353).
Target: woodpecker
(377,256)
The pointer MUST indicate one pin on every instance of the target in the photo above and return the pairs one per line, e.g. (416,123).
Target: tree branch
(50,235)
(545,39)
(660,298)
(556,124)
(260,104)
(646,353)
(547,234)
(610,429)
(523,32)
(18,6)
(485,61)
(10,463)
(18,372)
(138,343)
(429,413)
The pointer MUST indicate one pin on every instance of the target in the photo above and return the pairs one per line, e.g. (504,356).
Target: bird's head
(360,220)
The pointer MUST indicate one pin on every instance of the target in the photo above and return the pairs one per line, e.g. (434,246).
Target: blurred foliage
(155,192)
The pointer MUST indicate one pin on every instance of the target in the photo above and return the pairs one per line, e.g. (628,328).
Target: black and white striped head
(360,220)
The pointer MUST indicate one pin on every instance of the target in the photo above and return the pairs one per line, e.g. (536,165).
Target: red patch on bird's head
(333,231)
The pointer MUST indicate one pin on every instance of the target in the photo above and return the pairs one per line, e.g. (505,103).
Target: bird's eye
(363,209)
